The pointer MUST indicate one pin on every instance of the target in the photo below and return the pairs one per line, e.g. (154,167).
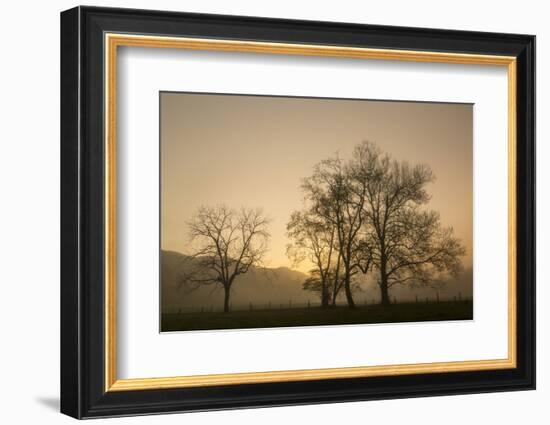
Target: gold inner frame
(113,41)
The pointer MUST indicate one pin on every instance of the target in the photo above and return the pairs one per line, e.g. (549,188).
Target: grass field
(269,318)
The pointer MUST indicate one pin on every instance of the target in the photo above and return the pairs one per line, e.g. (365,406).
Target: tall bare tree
(228,243)
(338,198)
(314,239)
(407,244)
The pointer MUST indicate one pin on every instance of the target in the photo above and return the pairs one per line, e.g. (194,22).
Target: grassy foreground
(405,312)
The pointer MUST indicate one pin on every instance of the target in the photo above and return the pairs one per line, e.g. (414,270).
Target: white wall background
(29,217)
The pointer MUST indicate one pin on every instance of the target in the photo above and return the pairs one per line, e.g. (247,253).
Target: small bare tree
(228,243)
(314,239)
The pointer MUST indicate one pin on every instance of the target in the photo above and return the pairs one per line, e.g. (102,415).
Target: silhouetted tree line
(366,215)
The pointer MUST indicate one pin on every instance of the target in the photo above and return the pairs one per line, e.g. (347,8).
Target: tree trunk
(347,287)
(324,295)
(227,290)
(336,283)
(334,295)
(384,295)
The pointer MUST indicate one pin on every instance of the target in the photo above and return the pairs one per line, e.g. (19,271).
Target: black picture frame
(83,392)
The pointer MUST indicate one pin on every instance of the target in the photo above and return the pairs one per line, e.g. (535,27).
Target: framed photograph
(261,212)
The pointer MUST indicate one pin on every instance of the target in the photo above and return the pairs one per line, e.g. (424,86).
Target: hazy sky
(253,151)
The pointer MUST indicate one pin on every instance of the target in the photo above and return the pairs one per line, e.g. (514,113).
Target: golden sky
(253,151)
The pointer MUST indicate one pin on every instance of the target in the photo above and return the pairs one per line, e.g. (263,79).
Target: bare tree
(406,244)
(338,198)
(228,243)
(314,240)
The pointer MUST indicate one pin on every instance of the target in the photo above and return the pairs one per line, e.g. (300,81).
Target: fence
(290,304)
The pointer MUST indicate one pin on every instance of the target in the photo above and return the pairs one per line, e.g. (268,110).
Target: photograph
(281,211)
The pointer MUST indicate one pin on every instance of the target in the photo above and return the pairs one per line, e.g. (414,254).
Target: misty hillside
(279,286)
(257,286)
